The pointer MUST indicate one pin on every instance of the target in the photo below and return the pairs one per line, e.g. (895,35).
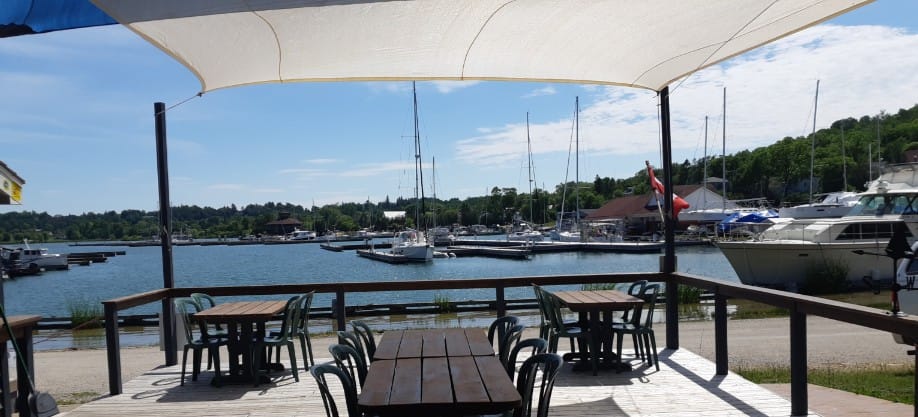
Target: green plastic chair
(502,329)
(363,331)
(320,372)
(351,339)
(635,289)
(350,361)
(278,339)
(546,365)
(547,332)
(585,339)
(640,327)
(184,308)
(537,345)
(205,301)
(302,328)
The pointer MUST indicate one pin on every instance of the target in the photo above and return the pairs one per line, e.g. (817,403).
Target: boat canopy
(645,44)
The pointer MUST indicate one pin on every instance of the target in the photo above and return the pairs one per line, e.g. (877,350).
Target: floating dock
(555,247)
(490,252)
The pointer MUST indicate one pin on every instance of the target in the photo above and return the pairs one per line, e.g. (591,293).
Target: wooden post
(340,312)
(165,231)
(720,334)
(669,224)
(799,400)
(113,349)
(501,302)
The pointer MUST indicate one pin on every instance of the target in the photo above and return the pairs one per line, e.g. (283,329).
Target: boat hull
(788,264)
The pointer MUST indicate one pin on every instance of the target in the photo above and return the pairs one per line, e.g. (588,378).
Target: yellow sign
(11,189)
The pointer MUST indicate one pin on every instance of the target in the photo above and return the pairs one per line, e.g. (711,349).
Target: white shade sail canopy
(637,43)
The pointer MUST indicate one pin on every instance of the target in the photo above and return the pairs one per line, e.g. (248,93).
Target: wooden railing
(798,305)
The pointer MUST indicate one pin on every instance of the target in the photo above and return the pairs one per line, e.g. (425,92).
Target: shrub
(828,278)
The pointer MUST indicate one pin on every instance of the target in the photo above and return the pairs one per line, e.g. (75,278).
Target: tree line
(846,155)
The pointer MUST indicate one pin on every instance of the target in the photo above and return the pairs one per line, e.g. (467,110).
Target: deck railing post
(113,349)
(340,313)
(720,333)
(501,301)
(799,400)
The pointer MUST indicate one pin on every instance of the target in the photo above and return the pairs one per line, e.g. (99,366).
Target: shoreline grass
(891,383)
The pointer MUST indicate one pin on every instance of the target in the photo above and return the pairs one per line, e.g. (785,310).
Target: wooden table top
(592,300)
(242,310)
(18,324)
(398,344)
(440,386)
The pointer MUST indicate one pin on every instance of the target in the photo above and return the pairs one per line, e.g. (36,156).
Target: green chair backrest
(548,364)
(184,308)
(650,294)
(204,301)
(350,361)
(363,331)
(320,372)
(351,339)
(290,318)
(538,345)
(305,304)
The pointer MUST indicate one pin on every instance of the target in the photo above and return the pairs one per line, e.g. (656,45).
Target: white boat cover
(638,43)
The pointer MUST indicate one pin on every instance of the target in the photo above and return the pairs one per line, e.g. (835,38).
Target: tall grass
(85,314)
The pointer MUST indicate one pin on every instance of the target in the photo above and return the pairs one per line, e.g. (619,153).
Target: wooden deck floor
(685,386)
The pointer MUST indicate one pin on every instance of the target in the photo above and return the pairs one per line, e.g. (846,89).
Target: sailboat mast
(529,153)
(813,141)
(723,153)
(704,181)
(433,170)
(418,173)
(577,157)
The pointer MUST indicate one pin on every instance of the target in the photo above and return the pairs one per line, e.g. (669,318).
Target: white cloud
(770,91)
(232,187)
(539,92)
(374,169)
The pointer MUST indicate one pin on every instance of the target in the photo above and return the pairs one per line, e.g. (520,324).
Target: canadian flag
(678,203)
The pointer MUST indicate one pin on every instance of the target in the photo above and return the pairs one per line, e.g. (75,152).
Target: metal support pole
(669,225)
(720,334)
(113,349)
(799,400)
(165,231)
(501,301)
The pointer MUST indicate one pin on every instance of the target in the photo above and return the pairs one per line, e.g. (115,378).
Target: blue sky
(76,120)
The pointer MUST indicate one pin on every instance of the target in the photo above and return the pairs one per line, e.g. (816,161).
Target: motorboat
(905,293)
(787,253)
(835,204)
(39,257)
(301,235)
(408,246)
(521,231)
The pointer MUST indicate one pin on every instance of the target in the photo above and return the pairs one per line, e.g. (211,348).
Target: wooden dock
(490,252)
(557,247)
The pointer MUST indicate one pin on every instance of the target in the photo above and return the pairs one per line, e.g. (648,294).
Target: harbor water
(54,293)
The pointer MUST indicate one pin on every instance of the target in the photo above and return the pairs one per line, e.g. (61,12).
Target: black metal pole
(799,396)
(669,254)
(165,231)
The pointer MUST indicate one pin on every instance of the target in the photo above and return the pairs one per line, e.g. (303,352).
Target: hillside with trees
(779,173)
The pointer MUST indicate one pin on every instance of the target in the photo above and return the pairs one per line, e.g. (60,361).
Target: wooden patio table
(439,372)
(240,318)
(22,331)
(596,309)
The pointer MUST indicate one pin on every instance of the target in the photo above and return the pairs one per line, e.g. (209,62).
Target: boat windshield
(879,204)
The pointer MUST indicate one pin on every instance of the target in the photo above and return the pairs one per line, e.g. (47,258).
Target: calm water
(140,270)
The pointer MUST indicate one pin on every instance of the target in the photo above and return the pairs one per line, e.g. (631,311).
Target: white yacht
(835,204)
(412,245)
(298,234)
(786,253)
(522,231)
(40,257)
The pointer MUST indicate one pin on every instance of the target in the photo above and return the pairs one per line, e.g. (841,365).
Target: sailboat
(708,213)
(568,226)
(409,245)
(836,204)
(521,231)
